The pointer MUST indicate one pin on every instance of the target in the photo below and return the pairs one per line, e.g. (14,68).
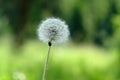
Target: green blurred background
(92,52)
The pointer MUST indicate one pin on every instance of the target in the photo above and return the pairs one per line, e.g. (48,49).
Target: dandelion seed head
(19,76)
(54,30)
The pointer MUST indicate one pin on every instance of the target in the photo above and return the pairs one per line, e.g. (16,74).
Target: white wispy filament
(53,30)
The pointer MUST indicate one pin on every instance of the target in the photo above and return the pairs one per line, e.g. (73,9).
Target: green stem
(46,64)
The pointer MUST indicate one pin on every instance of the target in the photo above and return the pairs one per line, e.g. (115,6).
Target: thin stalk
(46,62)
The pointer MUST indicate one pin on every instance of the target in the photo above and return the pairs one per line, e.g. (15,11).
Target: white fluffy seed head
(53,30)
(19,76)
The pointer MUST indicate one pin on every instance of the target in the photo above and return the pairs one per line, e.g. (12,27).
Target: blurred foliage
(63,64)
(88,20)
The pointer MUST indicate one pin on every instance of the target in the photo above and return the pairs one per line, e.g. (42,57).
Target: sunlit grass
(67,61)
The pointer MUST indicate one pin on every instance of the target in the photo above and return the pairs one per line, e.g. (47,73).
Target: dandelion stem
(46,62)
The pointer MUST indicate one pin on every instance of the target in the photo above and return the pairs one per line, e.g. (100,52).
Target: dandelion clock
(52,31)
